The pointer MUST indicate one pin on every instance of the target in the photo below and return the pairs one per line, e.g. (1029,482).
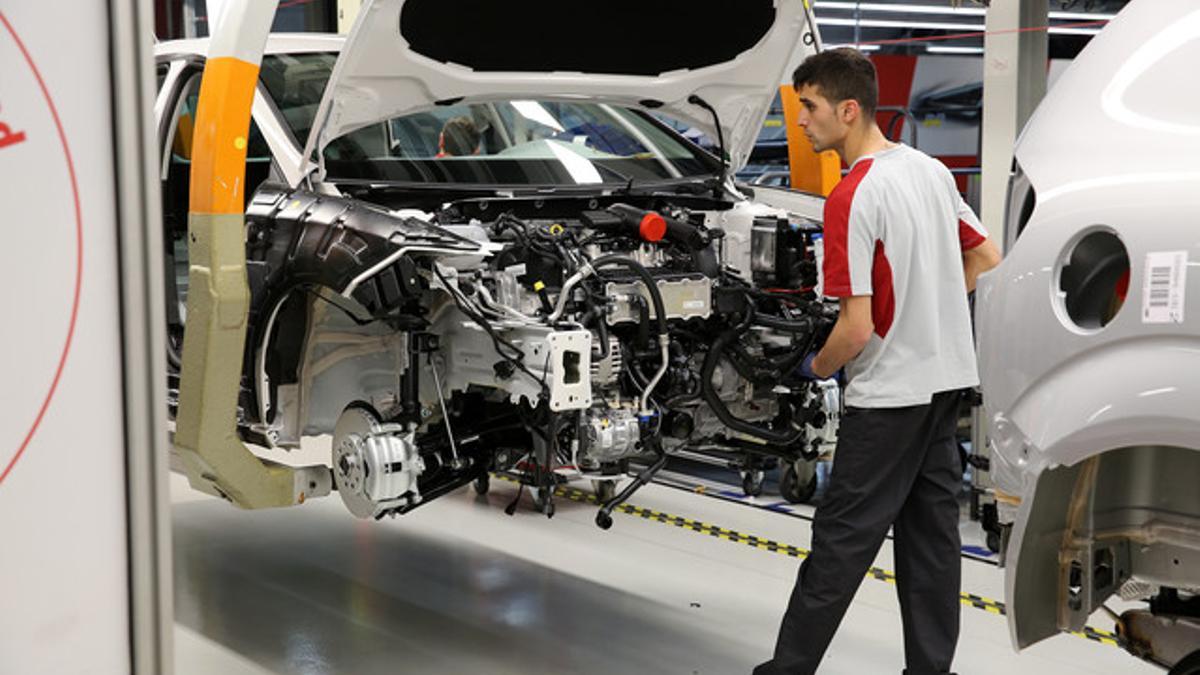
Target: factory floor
(684,583)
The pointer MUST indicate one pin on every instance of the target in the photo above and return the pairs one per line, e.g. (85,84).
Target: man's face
(821,120)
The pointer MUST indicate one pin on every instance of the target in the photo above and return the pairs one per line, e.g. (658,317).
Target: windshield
(516,142)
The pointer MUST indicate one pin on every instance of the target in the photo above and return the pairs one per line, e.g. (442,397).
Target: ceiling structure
(919,27)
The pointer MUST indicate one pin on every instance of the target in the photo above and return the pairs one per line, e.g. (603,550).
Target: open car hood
(404,56)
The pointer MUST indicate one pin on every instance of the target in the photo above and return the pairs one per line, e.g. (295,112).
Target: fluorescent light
(900,9)
(941,49)
(1080,16)
(945,11)
(861,48)
(963,27)
(880,23)
(1074,31)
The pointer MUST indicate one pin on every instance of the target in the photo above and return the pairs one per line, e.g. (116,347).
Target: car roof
(277,43)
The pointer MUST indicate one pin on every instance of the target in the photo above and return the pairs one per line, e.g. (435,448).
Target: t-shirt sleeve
(851,230)
(970,230)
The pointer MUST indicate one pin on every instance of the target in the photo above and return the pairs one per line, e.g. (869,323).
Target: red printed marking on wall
(9,137)
(62,137)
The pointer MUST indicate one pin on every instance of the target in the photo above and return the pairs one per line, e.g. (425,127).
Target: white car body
(433,251)
(1095,415)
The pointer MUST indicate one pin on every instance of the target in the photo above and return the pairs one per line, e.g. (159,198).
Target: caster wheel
(603,520)
(604,489)
(482,485)
(799,482)
(752,483)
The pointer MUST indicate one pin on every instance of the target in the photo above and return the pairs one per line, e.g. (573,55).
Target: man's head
(838,96)
(459,137)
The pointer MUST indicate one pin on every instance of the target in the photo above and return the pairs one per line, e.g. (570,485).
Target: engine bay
(553,339)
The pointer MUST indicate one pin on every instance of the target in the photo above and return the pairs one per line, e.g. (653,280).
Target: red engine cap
(653,227)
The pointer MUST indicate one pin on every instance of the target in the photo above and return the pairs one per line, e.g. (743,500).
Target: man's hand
(805,370)
(850,335)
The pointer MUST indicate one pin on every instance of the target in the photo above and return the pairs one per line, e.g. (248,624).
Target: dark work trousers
(895,467)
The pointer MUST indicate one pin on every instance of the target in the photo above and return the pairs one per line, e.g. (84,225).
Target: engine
(565,345)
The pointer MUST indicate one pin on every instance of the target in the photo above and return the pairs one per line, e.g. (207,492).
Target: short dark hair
(841,74)
(460,136)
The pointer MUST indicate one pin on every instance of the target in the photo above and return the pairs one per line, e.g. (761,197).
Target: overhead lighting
(942,49)
(952,27)
(861,48)
(1080,16)
(945,11)
(882,23)
(900,9)
(1074,31)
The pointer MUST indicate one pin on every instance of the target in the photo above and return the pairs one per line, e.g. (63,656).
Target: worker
(459,137)
(902,251)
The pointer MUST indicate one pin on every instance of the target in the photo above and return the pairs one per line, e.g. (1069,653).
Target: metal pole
(139,218)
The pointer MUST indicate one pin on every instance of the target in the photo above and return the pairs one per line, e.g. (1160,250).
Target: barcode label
(1165,283)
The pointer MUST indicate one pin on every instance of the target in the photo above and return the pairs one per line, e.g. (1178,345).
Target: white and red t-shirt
(895,229)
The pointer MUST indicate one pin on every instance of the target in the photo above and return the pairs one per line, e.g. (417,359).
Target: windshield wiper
(627,180)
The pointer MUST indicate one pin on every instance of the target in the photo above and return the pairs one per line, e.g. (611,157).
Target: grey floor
(459,587)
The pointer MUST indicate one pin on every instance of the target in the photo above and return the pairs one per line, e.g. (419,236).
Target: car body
(1089,343)
(444,312)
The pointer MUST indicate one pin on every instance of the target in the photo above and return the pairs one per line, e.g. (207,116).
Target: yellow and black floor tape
(969,599)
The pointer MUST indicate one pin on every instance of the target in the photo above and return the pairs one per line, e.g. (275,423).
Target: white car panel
(1092,407)
(378,77)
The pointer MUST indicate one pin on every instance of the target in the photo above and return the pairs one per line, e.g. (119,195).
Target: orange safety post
(811,171)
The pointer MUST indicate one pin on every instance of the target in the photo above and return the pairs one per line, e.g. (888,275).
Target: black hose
(715,403)
(804,325)
(594,315)
(764,370)
(602,330)
(753,369)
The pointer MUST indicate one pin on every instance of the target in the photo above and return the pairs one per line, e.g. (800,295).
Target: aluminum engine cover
(682,299)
